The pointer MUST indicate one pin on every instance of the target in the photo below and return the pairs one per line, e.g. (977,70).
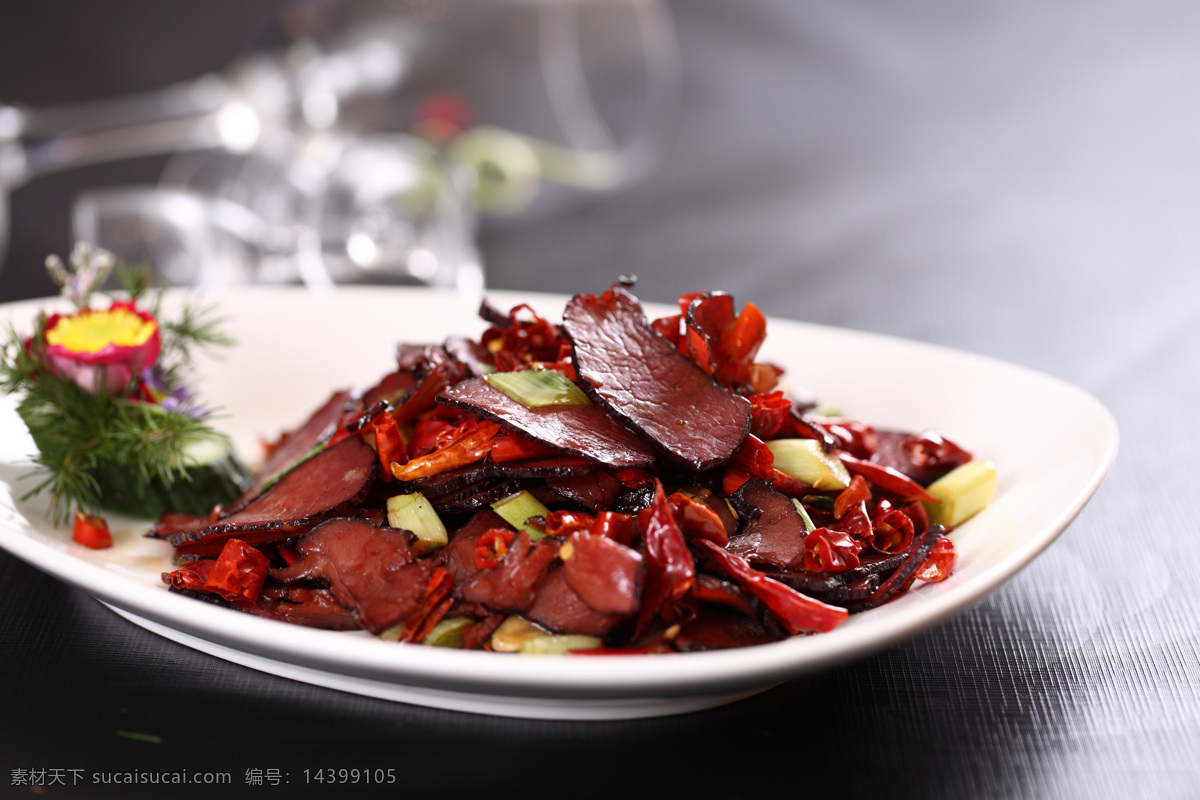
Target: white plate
(1052,444)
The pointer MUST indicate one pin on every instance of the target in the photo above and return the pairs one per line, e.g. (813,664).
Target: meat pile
(665,524)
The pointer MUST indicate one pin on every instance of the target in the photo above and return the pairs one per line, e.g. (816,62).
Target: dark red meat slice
(460,553)
(472,355)
(772,529)
(320,427)
(372,571)
(509,585)
(718,628)
(605,574)
(643,380)
(211,544)
(391,388)
(437,371)
(329,481)
(588,431)
(596,491)
(557,606)
(302,605)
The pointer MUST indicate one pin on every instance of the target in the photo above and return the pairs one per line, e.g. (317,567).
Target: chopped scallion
(534,388)
(806,461)
(412,512)
(516,508)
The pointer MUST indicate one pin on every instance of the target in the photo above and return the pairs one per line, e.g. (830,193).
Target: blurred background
(908,151)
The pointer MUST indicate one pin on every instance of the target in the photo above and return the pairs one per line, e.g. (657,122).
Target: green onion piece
(393,633)
(516,508)
(412,512)
(808,523)
(447,633)
(534,388)
(556,645)
(962,492)
(806,461)
(512,632)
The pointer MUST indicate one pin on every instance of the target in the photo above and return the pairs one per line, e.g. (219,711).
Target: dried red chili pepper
(856,438)
(430,434)
(191,576)
(436,601)
(894,532)
(786,484)
(797,612)
(733,480)
(886,479)
(857,523)
(467,449)
(389,444)
(238,573)
(491,547)
(930,451)
(670,570)
(669,328)
(697,520)
(754,458)
(524,337)
(940,562)
(827,550)
(564,523)
(91,531)
(770,412)
(508,447)
(614,525)
(853,495)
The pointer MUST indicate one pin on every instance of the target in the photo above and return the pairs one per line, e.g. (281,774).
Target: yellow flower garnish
(91,332)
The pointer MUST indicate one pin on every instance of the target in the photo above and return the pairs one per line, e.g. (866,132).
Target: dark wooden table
(1020,180)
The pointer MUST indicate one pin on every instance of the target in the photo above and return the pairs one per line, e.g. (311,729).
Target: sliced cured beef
(596,491)
(334,479)
(640,377)
(460,553)
(509,586)
(772,531)
(558,607)
(372,571)
(301,605)
(293,446)
(605,574)
(588,431)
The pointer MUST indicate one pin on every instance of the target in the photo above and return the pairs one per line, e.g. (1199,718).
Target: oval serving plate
(1052,444)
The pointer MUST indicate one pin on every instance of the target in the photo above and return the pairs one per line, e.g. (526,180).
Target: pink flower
(102,351)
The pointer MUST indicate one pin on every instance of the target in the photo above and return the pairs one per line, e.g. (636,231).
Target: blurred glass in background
(371,143)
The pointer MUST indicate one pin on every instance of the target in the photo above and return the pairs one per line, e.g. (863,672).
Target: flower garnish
(102,351)
(102,393)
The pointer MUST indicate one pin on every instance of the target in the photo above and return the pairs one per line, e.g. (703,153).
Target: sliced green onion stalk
(806,461)
(413,512)
(800,509)
(447,633)
(557,644)
(511,633)
(516,508)
(962,493)
(534,388)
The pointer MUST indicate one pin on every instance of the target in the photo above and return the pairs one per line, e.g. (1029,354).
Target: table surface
(1015,179)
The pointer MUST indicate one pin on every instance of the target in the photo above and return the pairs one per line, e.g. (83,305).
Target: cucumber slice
(211,474)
